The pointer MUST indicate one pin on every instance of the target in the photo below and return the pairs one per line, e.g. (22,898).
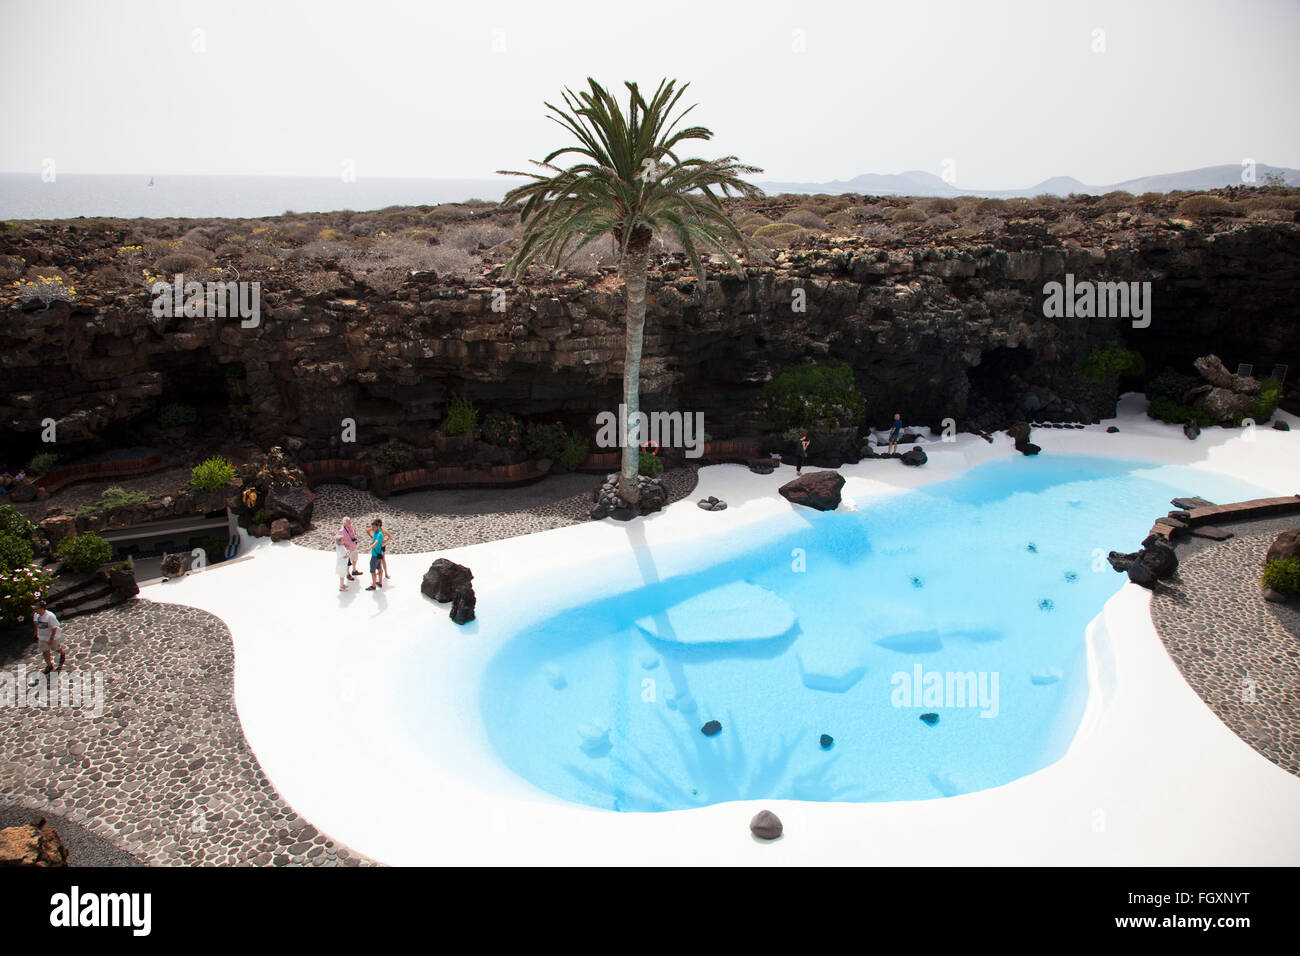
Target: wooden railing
(61,478)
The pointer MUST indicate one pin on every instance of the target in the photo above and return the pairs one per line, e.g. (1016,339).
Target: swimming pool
(936,636)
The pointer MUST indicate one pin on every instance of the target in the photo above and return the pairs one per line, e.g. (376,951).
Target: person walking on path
(801,453)
(350,543)
(895,433)
(376,530)
(49,634)
(389,537)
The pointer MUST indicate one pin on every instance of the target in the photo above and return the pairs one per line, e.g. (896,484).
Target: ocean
(27,196)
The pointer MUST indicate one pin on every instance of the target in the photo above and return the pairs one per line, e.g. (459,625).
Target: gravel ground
(424,521)
(84,846)
(1240,653)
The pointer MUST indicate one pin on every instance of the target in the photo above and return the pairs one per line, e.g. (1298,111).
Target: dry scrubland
(320,253)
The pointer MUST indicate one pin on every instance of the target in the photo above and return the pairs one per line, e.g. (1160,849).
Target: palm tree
(628,183)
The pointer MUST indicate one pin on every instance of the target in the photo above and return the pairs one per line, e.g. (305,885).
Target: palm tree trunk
(635,273)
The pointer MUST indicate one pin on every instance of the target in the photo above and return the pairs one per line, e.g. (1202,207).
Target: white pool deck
(1152,777)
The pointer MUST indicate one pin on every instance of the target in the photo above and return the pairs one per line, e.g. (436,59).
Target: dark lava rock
(1028,448)
(1156,560)
(762,466)
(1019,433)
(1112,430)
(930,719)
(280,530)
(827,741)
(711,729)
(295,504)
(1187,504)
(121,581)
(1281,426)
(359,482)
(462,604)
(712,503)
(444,578)
(608,504)
(1121,562)
(817,489)
(1192,430)
(914,457)
(1285,545)
(766,825)
(1276,597)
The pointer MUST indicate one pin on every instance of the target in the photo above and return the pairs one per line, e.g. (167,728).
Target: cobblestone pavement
(1240,653)
(511,512)
(165,773)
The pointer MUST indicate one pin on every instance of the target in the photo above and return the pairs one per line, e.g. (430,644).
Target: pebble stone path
(415,532)
(165,773)
(1240,653)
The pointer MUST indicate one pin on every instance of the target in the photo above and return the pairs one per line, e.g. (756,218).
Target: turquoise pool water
(964,601)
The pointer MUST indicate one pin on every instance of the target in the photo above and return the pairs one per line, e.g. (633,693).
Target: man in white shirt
(48,634)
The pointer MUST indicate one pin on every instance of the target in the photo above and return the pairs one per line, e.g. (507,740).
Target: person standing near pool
(342,562)
(376,554)
(801,453)
(350,542)
(895,433)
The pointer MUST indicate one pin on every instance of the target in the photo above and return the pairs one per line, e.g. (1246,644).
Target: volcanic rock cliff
(934,329)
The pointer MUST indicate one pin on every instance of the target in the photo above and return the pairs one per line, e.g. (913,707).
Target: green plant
(462,417)
(113,498)
(502,428)
(13,524)
(1112,361)
(15,551)
(1170,384)
(1270,392)
(909,214)
(259,516)
(18,588)
(393,455)
(810,395)
(177,415)
(652,466)
(41,463)
(212,474)
(1282,574)
(575,451)
(545,440)
(84,552)
(1205,205)
(214,549)
(1166,409)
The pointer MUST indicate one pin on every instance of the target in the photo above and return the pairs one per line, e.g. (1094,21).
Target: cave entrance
(996,384)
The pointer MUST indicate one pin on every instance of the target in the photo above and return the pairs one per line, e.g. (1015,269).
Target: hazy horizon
(997,95)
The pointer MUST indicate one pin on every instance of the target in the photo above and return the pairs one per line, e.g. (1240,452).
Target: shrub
(179,263)
(1167,410)
(1205,205)
(84,552)
(18,588)
(214,549)
(652,466)
(908,214)
(1170,384)
(809,395)
(259,516)
(502,428)
(112,498)
(806,218)
(1282,574)
(13,524)
(15,552)
(45,289)
(177,415)
(1112,361)
(462,417)
(393,455)
(41,463)
(775,229)
(212,474)
(941,204)
(545,440)
(576,449)
(1270,391)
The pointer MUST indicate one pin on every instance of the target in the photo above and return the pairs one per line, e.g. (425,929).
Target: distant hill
(918,183)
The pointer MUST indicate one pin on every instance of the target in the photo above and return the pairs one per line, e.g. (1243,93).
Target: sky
(1000,95)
